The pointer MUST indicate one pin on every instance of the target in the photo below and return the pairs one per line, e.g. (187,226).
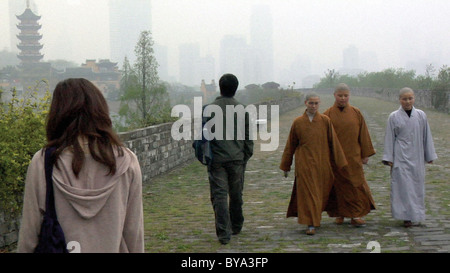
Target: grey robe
(409,145)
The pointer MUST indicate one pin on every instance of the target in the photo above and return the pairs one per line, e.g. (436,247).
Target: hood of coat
(88,193)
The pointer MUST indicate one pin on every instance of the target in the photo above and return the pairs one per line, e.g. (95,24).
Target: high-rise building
(252,63)
(261,44)
(193,68)
(299,69)
(127,19)
(350,58)
(162,58)
(233,56)
(369,61)
(189,54)
(205,68)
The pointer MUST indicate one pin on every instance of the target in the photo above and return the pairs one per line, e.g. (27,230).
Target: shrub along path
(179,216)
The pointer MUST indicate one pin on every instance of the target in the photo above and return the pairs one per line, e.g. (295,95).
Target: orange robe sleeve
(365,141)
(337,153)
(289,150)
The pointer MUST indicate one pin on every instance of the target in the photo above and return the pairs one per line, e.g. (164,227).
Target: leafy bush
(22,134)
(440,89)
(388,78)
(254,93)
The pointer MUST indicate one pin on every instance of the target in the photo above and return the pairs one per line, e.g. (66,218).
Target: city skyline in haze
(309,37)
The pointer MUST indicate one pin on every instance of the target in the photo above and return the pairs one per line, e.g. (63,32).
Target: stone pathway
(179,217)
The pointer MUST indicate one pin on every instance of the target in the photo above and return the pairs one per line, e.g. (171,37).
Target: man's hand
(286,174)
(365,160)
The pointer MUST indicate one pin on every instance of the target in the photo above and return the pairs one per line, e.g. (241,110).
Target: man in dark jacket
(229,159)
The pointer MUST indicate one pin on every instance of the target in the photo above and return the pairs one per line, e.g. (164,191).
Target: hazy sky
(397,31)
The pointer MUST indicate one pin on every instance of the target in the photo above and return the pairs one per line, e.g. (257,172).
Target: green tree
(271,86)
(22,134)
(426,81)
(144,98)
(251,86)
(331,77)
(329,81)
(441,88)
(349,80)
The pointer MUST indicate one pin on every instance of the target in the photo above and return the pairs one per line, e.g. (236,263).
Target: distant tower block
(29,37)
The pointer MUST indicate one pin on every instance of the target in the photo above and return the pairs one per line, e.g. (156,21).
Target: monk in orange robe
(313,141)
(350,196)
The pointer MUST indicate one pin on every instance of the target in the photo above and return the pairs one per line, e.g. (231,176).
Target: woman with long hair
(97,181)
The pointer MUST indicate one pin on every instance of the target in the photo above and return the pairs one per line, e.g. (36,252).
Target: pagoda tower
(29,38)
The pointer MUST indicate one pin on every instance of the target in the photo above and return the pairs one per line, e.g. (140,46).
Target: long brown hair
(78,108)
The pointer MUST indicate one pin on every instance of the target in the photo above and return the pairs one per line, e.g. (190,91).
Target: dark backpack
(203,147)
(51,236)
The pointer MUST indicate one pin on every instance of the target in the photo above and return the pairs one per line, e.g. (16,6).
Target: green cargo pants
(227,180)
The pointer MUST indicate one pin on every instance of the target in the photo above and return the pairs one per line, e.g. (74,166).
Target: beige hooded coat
(98,212)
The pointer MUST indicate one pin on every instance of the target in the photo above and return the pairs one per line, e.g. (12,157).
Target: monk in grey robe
(408,145)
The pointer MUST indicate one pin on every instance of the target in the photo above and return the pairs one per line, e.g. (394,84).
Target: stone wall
(9,230)
(156,150)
